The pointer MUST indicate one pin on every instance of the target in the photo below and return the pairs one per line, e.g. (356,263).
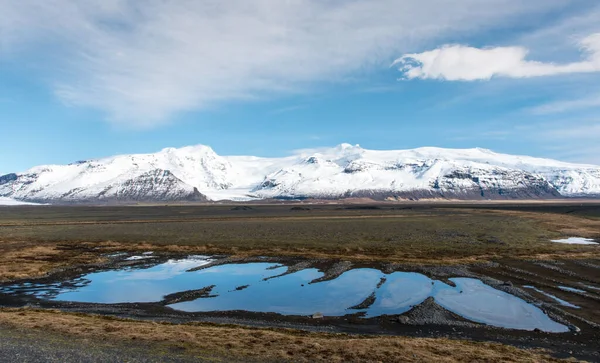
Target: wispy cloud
(143,61)
(464,63)
(577,153)
(568,139)
(568,132)
(287,109)
(379,89)
(567,106)
(551,40)
(482,134)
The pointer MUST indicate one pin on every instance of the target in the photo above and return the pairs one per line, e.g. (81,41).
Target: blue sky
(81,80)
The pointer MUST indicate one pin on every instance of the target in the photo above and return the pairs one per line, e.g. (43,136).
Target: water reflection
(258,287)
(292,294)
(481,303)
(401,291)
(558,300)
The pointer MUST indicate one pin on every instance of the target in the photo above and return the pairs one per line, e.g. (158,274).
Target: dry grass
(24,259)
(270,344)
(30,261)
(24,223)
(33,244)
(567,225)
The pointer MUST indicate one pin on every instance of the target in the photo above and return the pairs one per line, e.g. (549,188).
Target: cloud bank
(141,62)
(463,63)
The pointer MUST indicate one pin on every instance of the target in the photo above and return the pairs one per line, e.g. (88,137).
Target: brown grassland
(37,240)
(205,340)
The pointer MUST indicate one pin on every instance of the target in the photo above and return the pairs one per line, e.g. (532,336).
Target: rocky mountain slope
(197,173)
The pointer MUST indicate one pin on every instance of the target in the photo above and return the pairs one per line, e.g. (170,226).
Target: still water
(265,287)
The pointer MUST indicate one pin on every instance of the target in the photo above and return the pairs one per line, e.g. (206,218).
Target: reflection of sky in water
(400,292)
(570,289)
(483,304)
(293,294)
(286,295)
(558,300)
(134,284)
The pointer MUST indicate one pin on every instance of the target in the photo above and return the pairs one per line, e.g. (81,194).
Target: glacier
(198,174)
(10,202)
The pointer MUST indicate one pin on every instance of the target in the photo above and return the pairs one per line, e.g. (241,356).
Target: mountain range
(197,173)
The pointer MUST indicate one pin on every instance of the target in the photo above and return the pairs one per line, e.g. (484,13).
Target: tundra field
(508,246)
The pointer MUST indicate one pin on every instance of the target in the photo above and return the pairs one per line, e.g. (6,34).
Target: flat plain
(504,241)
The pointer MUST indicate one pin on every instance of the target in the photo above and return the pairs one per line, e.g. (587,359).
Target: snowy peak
(155,185)
(198,173)
(194,150)
(377,174)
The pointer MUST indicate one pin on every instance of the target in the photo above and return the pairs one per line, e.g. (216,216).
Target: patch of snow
(576,241)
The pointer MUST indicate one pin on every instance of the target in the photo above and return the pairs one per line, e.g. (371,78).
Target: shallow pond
(267,287)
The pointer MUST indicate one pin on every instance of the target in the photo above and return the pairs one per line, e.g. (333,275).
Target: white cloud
(566,106)
(143,61)
(463,63)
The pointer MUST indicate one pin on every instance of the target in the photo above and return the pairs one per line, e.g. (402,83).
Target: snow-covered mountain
(197,173)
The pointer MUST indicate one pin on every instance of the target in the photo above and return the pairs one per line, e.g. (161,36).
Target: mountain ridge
(198,173)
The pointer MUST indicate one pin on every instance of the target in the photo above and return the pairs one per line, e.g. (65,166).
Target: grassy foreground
(224,343)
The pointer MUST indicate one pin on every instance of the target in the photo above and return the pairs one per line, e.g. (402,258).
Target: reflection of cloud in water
(240,269)
(400,291)
(163,271)
(292,294)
